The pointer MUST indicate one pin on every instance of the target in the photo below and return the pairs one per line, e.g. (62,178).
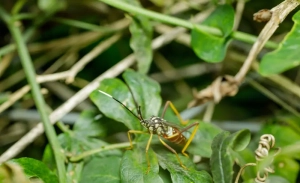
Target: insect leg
(173,151)
(133,132)
(196,124)
(169,103)
(147,148)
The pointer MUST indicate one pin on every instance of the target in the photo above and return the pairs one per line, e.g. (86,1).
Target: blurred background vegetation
(58,37)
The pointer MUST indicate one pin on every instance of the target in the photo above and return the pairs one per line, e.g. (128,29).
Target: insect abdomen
(177,139)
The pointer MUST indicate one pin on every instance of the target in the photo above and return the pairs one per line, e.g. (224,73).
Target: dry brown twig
(228,85)
(240,5)
(5,61)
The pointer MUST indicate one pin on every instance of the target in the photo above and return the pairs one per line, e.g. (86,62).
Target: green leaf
(240,140)
(209,47)
(141,39)
(222,18)
(48,158)
(113,109)
(89,125)
(104,170)
(169,161)
(76,144)
(134,167)
(221,163)
(203,139)
(286,56)
(284,135)
(277,179)
(145,90)
(286,168)
(35,168)
(223,154)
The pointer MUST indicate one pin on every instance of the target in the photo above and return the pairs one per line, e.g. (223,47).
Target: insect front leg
(129,136)
(147,147)
(147,156)
(169,103)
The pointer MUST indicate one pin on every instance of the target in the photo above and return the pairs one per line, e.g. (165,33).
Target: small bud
(263,15)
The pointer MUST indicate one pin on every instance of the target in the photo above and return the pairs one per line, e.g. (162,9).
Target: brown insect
(158,125)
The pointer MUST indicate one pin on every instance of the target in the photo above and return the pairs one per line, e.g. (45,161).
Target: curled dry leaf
(221,87)
(263,15)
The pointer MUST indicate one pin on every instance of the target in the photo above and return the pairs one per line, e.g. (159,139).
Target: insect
(158,125)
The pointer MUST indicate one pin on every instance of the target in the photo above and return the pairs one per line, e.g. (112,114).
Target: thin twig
(279,13)
(5,61)
(25,89)
(70,41)
(240,5)
(277,100)
(209,112)
(102,46)
(228,85)
(280,80)
(20,75)
(63,92)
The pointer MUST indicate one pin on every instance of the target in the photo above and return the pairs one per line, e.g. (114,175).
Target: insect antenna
(138,107)
(137,116)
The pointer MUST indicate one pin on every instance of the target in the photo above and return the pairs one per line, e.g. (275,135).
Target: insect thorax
(157,125)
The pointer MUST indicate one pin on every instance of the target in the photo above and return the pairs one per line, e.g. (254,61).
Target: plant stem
(28,33)
(277,100)
(183,23)
(82,25)
(103,148)
(39,100)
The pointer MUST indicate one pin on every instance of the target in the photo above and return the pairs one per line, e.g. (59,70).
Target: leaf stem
(183,23)
(103,148)
(39,100)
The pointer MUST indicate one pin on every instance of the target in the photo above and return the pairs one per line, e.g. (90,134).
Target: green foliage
(94,148)
(134,167)
(203,139)
(114,165)
(178,174)
(222,158)
(36,169)
(145,91)
(287,168)
(104,170)
(141,39)
(286,56)
(209,47)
